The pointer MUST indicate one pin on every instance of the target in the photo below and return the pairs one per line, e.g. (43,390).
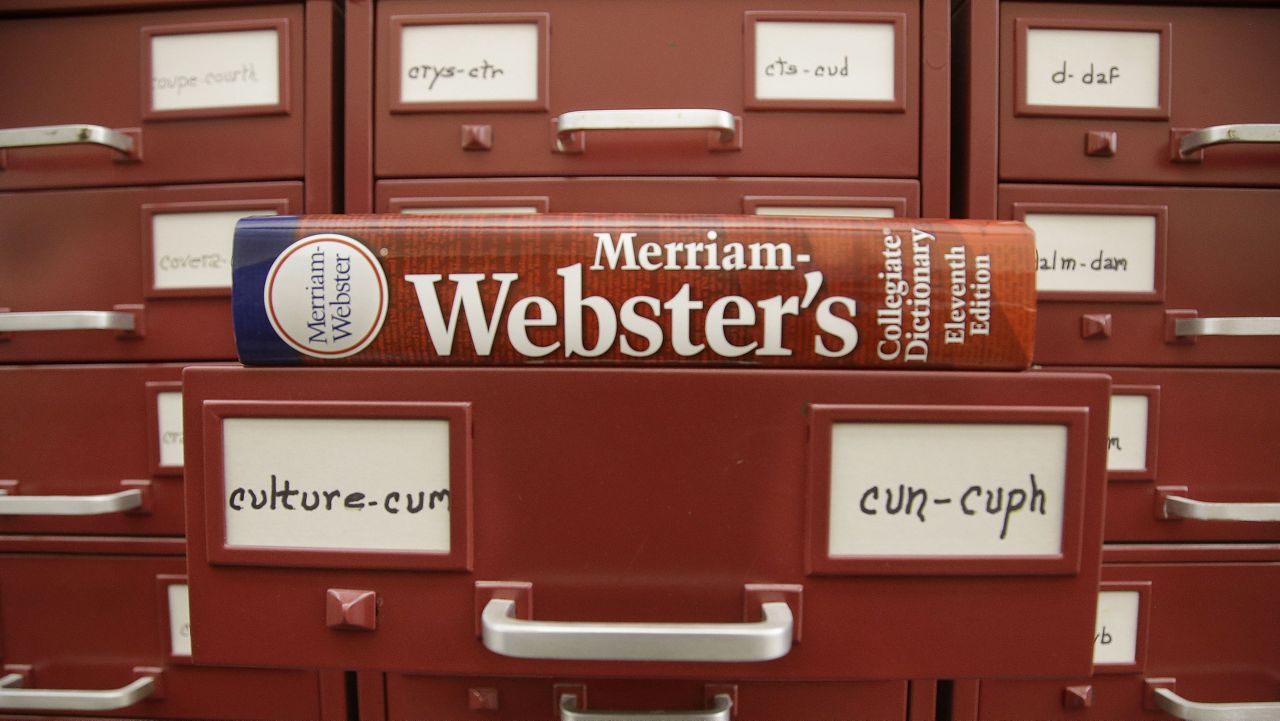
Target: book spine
(634,290)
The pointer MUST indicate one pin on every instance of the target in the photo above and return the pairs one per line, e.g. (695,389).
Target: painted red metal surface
(1212,260)
(1211,638)
(71,644)
(1210,435)
(650,195)
(646,495)
(83,430)
(233,145)
(1213,53)
(93,250)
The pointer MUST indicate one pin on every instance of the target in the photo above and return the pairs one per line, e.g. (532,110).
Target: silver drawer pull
(118,502)
(765,640)
(13,697)
(646,119)
(1223,134)
(1189,508)
(719,711)
(1227,326)
(76,134)
(66,320)
(1175,705)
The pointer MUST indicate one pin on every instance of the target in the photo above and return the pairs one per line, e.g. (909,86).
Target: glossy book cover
(701,290)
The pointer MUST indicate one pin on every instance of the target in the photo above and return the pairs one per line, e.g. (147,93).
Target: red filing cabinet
(125,652)
(91,450)
(406,696)
(126,158)
(1191,458)
(1139,144)
(523,522)
(1192,634)
(801,93)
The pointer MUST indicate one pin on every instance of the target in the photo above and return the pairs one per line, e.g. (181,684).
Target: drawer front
(1138,79)
(540,699)
(776,79)
(1132,276)
(132,628)
(1196,434)
(642,497)
(158,258)
(1207,636)
(204,94)
(89,431)
(775,196)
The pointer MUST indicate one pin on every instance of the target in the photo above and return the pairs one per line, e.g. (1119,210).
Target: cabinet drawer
(1141,77)
(132,629)
(653,497)
(91,431)
(497,88)
(772,196)
(198,95)
(1202,632)
(541,699)
(158,259)
(1152,276)
(1202,435)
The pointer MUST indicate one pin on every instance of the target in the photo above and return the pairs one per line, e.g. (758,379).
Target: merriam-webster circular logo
(326,296)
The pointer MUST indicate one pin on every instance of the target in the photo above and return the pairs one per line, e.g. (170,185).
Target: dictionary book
(697,290)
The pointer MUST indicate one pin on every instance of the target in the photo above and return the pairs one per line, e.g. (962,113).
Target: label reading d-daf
(326,296)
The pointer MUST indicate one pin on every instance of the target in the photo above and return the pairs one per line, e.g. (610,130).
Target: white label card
(199,71)
(823,211)
(179,620)
(335,483)
(1127,437)
(169,417)
(193,250)
(947,489)
(851,61)
(1088,253)
(1115,639)
(1093,68)
(476,62)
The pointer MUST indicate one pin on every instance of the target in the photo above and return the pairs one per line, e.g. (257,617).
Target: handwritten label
(1115,638)
(1088,253)
(1127,437)
(478,210)
(476,62)
(335,483)
(195,71)
(850,61)
(179,620)
(818,211)
(193,250)
(1092,68)
(947,489)
(169,417)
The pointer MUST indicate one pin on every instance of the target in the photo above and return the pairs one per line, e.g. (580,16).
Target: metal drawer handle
(765,640)
(1227,326)
(66,320)
(76,134)
(1175,705)
(1223,134)
(719,711)
(645,119)
(12,696)
(118,502)
(1189,508)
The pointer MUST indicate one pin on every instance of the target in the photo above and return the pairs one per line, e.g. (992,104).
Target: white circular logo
(326,296)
